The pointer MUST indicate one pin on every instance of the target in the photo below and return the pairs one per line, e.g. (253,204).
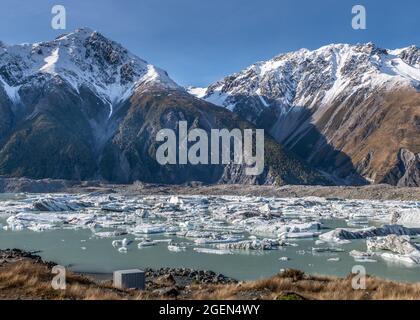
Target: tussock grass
(294,285)
(29,280)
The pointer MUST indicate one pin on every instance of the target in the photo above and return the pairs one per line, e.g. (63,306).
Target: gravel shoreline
(369,192)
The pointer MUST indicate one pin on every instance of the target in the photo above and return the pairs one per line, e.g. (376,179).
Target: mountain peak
(82,58)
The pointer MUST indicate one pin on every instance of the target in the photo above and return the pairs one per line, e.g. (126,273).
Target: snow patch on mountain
(197,91)
(12,92)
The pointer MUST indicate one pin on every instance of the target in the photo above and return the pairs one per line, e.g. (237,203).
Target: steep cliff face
(406,171)
(345,109)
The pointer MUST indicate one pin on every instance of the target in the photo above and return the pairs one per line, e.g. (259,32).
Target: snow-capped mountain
(82,58)
(335,106)
(83,107)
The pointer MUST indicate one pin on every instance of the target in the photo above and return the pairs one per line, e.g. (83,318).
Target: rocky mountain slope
(351,110)
(83,107)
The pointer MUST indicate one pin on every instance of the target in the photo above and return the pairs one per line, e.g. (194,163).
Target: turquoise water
(77,250)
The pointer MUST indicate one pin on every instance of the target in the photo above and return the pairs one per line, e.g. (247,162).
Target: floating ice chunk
(274,227)
(176,248)
(143,213)
(407,218)
(349,234)
(121,243)
(123,250)
(50,204)
(404,259)
(298,235)
(148,229)
(175,200)
(186,225)
(360,254)
(213,251)
(35,222)
(38,227)
(265,244)
(367,260)
(401,247)
(216,239)
(146,243)
(327,249)
(265,209)
(336,259)
(112,208)
(109,234)
(162,240)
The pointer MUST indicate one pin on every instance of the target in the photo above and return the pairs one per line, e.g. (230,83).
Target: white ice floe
(362,257)
(349,234)
(213,251)
(327,250)
(123,250)
(108,234)
(407,217)
(400,248)
(50,204)
(175,200)
(176,248)
(335,259)
(148,229)
(121,243)
(146,243)
(217,239)
(255,244)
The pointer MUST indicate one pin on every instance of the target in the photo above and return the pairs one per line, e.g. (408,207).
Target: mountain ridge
(82,107)
(320,104)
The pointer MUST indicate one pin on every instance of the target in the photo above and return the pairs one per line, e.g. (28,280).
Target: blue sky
(200,41)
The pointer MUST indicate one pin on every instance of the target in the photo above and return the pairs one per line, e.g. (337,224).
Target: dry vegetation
(27,279)
(295,285)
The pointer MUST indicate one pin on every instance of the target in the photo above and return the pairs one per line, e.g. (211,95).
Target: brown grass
(295,283)
(29,280)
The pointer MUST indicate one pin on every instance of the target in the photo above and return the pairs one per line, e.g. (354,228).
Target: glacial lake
(98,256)
(80,250)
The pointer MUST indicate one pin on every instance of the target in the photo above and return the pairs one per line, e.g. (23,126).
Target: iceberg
(148,229)
(350,234)
(146,243)
(176,248)
(254,244)
(327,249)
(55,205)
(213,251)
(401,248)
